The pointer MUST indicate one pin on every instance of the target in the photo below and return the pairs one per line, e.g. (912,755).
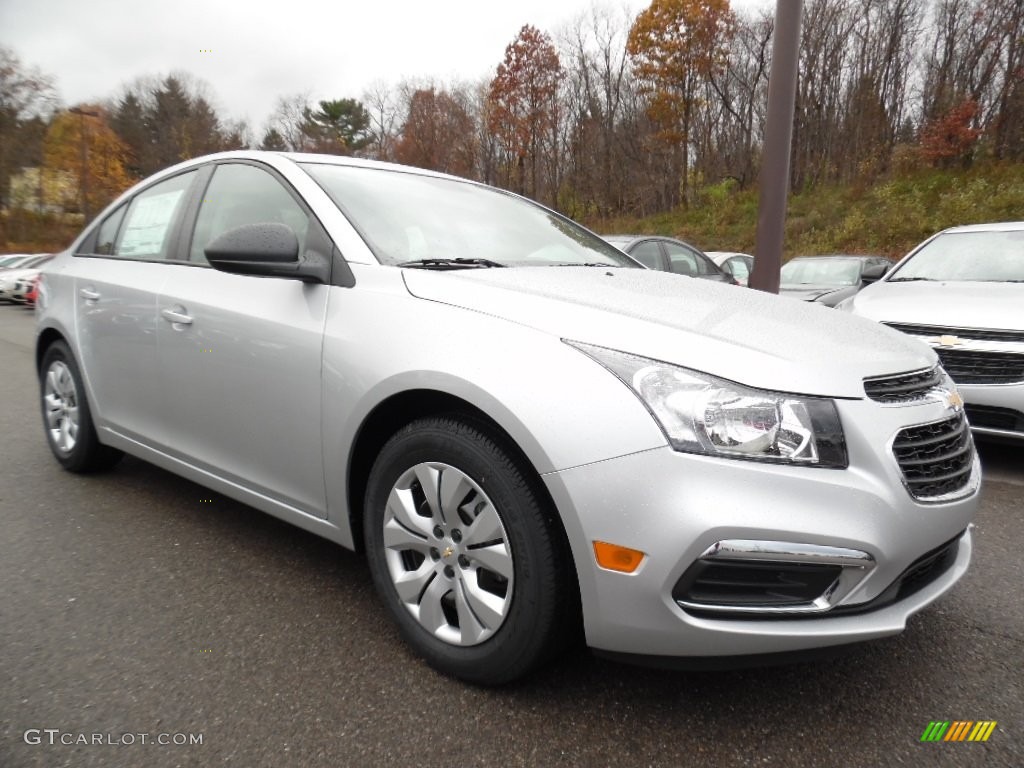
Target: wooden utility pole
(778,136)
(83,179)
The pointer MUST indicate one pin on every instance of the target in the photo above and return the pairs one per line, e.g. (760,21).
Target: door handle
(89,294)
(177,316)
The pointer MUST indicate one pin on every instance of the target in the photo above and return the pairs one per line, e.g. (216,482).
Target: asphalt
(136,602)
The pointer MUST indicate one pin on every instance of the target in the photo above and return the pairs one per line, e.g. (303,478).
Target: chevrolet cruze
(962,292)
(528,434)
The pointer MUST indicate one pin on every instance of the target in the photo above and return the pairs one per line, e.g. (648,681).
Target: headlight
(701,413)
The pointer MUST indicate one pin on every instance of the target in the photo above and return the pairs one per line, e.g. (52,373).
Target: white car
(16,281)
(531,436)
(962,293)
(738,265)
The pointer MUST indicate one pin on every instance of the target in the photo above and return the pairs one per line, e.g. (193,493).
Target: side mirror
(874,273)
(266,250)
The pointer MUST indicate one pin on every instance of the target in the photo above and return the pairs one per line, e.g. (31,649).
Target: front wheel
(465,553)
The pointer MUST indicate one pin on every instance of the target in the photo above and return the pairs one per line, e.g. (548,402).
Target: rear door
(240,356)
(118,271)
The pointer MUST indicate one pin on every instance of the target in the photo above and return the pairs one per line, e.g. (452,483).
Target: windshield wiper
(450,263)
(910,280)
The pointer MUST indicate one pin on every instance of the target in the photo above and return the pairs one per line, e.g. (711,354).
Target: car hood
(946,304)
(810,292)
(739,334)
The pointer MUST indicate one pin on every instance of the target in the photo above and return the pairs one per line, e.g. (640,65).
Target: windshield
(406,217)
(970,256)
(820,272)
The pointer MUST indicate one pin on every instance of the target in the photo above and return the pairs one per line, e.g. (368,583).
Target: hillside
(888,218)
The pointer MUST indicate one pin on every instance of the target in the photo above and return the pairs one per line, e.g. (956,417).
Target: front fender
(561,408)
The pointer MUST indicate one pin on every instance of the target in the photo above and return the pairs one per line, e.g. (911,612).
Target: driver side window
(243,194)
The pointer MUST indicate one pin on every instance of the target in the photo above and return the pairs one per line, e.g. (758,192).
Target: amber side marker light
(615,558)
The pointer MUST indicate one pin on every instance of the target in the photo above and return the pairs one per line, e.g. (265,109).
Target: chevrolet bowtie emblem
(955,401)
(448,552)
(947,341)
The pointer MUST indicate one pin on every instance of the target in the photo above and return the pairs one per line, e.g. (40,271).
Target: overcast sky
(251,52)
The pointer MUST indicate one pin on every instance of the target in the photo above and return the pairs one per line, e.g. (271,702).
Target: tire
(67,420)
(480,581)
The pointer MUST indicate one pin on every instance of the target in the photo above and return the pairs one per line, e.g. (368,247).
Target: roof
(1003,226)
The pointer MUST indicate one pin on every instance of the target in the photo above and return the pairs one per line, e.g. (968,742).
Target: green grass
(888,218)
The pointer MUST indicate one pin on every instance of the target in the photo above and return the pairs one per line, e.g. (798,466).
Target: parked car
(830,279)
(33,292)
(737,265)
(13,282)
(962,293)
(526,433)
(667,254)
(13,260)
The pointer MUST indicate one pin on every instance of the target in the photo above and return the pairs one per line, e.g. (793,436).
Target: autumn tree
(287,121)
(596,92)
(736,97)
(523,108)
(26,97)
(950,138)
(383,104)
(438,133)
(675,46)
(84,145)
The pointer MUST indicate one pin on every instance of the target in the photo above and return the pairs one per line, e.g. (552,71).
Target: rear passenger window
(648,253)
(150,220)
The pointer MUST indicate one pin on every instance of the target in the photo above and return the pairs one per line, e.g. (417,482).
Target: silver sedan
(962,293)
(531,437)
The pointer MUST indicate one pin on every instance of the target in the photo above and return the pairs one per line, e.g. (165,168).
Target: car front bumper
(995,410)
(674,506)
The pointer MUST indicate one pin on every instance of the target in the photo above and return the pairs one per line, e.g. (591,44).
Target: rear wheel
(67,419)
(464,552)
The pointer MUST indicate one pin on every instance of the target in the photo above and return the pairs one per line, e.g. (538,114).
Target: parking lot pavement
(136,602)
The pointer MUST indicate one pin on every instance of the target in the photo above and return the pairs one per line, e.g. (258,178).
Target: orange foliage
(438,134)
(104,174)
(523,97)
(674,46)
(951,136)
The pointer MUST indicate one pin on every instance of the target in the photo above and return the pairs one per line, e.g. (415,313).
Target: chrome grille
(978,334)
(974,355)
(975,367)
(902,388)
(936,459)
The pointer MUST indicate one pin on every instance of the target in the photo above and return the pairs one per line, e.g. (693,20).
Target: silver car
(739,265)
(962,293)
(530,436)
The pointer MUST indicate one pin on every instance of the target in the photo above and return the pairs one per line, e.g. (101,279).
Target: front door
(240,356)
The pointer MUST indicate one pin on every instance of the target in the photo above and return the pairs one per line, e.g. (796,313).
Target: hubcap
(60,399)
(448,554)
